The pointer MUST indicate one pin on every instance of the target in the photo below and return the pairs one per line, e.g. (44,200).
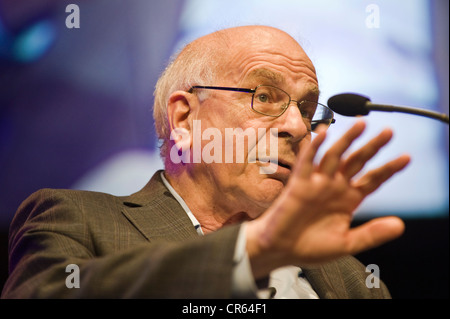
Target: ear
(180,107)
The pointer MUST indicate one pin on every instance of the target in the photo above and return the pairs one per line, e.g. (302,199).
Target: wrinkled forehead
(267,55)
(269,77)
(257,52)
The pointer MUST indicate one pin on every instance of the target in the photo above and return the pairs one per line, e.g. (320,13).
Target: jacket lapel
(157,214)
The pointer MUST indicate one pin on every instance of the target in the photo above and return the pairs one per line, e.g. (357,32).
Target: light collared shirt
(284,283)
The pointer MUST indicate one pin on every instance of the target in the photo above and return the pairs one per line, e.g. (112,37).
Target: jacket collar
(157,214)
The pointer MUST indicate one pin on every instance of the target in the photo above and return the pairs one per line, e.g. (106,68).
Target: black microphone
(349,104)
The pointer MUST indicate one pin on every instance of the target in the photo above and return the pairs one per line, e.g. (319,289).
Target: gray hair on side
(195,64)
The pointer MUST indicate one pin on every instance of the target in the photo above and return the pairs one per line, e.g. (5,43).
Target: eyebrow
(278,79)
(314,90)
(274,77)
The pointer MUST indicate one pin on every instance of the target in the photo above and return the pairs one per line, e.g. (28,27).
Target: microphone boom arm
(403,109)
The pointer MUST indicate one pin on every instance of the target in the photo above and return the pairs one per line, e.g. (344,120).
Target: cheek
(260,187)
(233,139)
(270,189)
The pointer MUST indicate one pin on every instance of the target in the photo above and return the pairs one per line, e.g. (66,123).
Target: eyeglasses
(272,101)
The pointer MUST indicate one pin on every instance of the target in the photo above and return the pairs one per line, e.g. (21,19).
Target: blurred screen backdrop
(76,103)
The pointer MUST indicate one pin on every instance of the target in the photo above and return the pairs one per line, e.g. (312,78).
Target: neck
(212,208)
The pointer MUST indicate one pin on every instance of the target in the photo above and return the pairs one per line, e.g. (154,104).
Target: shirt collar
(183,204)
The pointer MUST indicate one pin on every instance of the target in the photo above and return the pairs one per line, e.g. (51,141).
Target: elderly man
(226,221)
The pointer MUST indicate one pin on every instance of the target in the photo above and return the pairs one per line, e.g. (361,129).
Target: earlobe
(178,111)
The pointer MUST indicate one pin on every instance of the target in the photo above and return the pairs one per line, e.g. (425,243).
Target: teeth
(267,160)
(274,161)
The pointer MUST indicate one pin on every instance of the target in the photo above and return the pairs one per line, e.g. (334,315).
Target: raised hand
(310,221)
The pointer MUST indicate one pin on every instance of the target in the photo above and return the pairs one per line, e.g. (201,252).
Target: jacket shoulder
(46,198)
(346,278)
(47,207)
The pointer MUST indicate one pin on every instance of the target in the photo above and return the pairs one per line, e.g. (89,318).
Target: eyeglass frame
(253,91)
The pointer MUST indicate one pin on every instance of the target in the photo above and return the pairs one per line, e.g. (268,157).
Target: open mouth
(285,165)
(275,165)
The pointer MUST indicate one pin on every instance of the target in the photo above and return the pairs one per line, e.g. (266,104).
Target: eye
(307,114)
(263,98)
(308,109)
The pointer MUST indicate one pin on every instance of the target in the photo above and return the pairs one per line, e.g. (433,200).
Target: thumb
(374,233)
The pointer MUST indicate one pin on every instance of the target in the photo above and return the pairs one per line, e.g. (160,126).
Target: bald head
(235,37)
(234,46)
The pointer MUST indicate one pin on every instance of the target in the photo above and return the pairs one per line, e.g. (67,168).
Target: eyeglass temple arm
(323,121)
(221,88)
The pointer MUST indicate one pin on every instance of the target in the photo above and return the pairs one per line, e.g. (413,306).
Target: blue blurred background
(75,103)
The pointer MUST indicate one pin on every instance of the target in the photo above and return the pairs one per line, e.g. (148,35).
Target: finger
(332,158)
(374,178)
(305,163)
(356,161)
(374,233)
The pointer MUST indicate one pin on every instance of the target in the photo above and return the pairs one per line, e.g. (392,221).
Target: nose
(291,123)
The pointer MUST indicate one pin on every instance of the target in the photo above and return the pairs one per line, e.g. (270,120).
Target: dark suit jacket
(140,246)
